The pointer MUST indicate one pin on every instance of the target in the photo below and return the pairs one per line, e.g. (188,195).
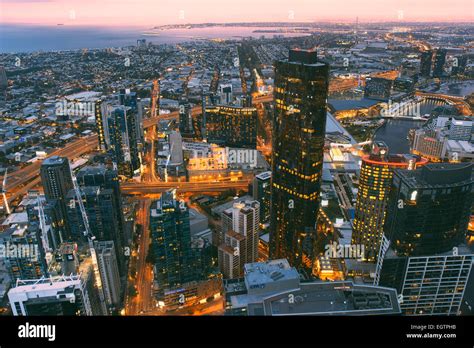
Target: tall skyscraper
(422,253)
(429,208)
(56,177)
(426,60)
(109,271)
(130,100)
(233,126)
(106,178)
(185,118)
(301,88)
(123,140)
(374,186)
(101,210)
(57,182)
(240,229)
(439,59)
(100,110)
(262,192)
(173,257)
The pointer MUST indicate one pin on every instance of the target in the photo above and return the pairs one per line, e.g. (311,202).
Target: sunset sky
(158,12)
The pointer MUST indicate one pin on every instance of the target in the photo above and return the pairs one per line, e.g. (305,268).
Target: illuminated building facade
(109,271)
(122,124)
(435,210)
(175,261)
(232,126)
(66,295)
(101,123)
(240,227)
(378,88)
(374,186)
(185,118)
(301,87)
(422,253)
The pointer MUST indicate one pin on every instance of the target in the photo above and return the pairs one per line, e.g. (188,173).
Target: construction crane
(44,231)
(168,162)
(4,193)
(90,238)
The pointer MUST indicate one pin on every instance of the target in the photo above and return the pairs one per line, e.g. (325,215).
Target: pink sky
(158,12)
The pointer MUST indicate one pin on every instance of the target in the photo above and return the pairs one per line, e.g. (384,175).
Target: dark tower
(301,89)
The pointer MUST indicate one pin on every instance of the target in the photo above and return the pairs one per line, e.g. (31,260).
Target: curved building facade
(375,181)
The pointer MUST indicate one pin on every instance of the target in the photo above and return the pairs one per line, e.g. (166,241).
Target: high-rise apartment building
(374,186)
(429,208)
(240,235)
(232,126)
(422,253)
(426,60)
(173,257)
(56,180)
(301,88)
(262,192)
(439,59)
(109,271)
(123,140)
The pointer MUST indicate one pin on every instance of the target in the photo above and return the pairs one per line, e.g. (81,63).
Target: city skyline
(237,160)
(145,13)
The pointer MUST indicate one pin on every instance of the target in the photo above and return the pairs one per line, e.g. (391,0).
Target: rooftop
(259,273)
(334,298)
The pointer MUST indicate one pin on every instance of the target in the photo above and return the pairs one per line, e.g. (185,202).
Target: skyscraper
(170,247)
(422,253)
(429,208)
(56,177)
(301,88)
(185,118)
(123,140)
(426,60)
(109,272)
(57,182)
(101,210)
(439,59)
(262,192)
(105,178)
(374,186)
(240,229)
(100,110)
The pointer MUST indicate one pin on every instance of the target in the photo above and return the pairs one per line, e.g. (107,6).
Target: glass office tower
(301,88)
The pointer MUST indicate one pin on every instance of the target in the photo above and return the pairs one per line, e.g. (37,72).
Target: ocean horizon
(15,38)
